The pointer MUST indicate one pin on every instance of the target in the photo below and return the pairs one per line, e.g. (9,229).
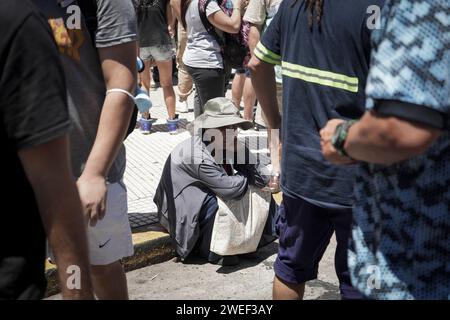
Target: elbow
(235,28)
(237,193)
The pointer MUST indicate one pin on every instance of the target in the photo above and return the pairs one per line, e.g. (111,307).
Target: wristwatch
(340,136)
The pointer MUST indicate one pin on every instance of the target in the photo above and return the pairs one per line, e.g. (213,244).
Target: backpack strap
(208,26)
(89,10)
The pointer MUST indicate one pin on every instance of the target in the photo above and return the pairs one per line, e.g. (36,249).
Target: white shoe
(183,107)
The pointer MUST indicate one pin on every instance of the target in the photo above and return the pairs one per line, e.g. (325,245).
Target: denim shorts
(245,71)
(157,53)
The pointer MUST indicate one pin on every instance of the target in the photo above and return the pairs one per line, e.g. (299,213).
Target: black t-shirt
(32,111)
(152,22)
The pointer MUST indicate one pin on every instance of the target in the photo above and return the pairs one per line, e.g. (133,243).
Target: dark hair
(314,6)
(183,9)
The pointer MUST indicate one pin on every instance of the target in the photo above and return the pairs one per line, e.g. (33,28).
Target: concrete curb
(150,247)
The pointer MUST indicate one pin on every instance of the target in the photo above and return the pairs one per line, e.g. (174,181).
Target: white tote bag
(239,224)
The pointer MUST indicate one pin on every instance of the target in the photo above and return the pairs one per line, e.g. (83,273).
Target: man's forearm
(114,122)
(384,140)
(263,80)
(65,226)
(119,70)
(47,168)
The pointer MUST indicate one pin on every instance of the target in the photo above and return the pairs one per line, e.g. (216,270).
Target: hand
(329,152)
(93,191)
(171,31)
(274,183)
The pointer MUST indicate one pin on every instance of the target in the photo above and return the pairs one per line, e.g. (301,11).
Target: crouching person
(201,174)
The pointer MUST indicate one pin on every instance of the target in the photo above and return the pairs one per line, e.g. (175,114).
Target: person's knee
(166,82)
(290,285)
(283,290)
(166,87)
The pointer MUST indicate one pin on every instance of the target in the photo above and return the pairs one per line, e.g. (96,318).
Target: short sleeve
(268,49)
(33,102)
(256,12)
(116,23)
(212,7)
(411,57)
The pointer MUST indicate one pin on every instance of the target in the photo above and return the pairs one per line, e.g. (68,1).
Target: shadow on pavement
(331,291)
(163,127)
(245,261)
(248,261)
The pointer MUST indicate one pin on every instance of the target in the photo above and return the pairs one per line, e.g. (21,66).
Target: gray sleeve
(254,173)
(116,23)
(224,186)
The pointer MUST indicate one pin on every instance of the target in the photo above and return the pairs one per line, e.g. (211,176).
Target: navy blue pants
(305,231)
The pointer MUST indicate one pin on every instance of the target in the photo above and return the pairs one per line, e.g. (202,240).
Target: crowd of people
(355,96)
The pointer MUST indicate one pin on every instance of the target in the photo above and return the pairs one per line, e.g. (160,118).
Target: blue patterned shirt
(401,235)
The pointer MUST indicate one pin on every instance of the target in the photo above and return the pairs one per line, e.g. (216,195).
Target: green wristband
(340,136)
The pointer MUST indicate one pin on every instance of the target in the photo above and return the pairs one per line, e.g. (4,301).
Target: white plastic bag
(239,224)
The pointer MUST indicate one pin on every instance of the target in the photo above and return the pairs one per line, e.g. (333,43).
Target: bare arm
(170,16)
(176,9)
(263,80)
(222,21)
(253,37)
(119,70)
(387,140)
(48,170)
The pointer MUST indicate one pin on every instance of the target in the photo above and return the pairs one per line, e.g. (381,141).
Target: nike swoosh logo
(102,245)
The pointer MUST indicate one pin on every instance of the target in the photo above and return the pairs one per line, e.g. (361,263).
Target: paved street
(250,280)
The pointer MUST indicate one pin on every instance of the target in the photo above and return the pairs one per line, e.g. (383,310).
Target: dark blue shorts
(305,231)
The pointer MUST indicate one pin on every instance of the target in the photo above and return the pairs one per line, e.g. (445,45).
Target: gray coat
(189,173)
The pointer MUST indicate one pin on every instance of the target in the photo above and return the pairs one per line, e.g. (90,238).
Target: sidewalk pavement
(146,156)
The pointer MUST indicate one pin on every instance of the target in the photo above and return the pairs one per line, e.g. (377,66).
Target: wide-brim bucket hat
(221,112)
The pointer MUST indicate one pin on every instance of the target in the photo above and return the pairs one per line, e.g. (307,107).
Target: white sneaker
(183,107)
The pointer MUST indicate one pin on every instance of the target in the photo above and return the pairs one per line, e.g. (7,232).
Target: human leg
(237,87)
(305,232)
(209,84)
(109,242)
